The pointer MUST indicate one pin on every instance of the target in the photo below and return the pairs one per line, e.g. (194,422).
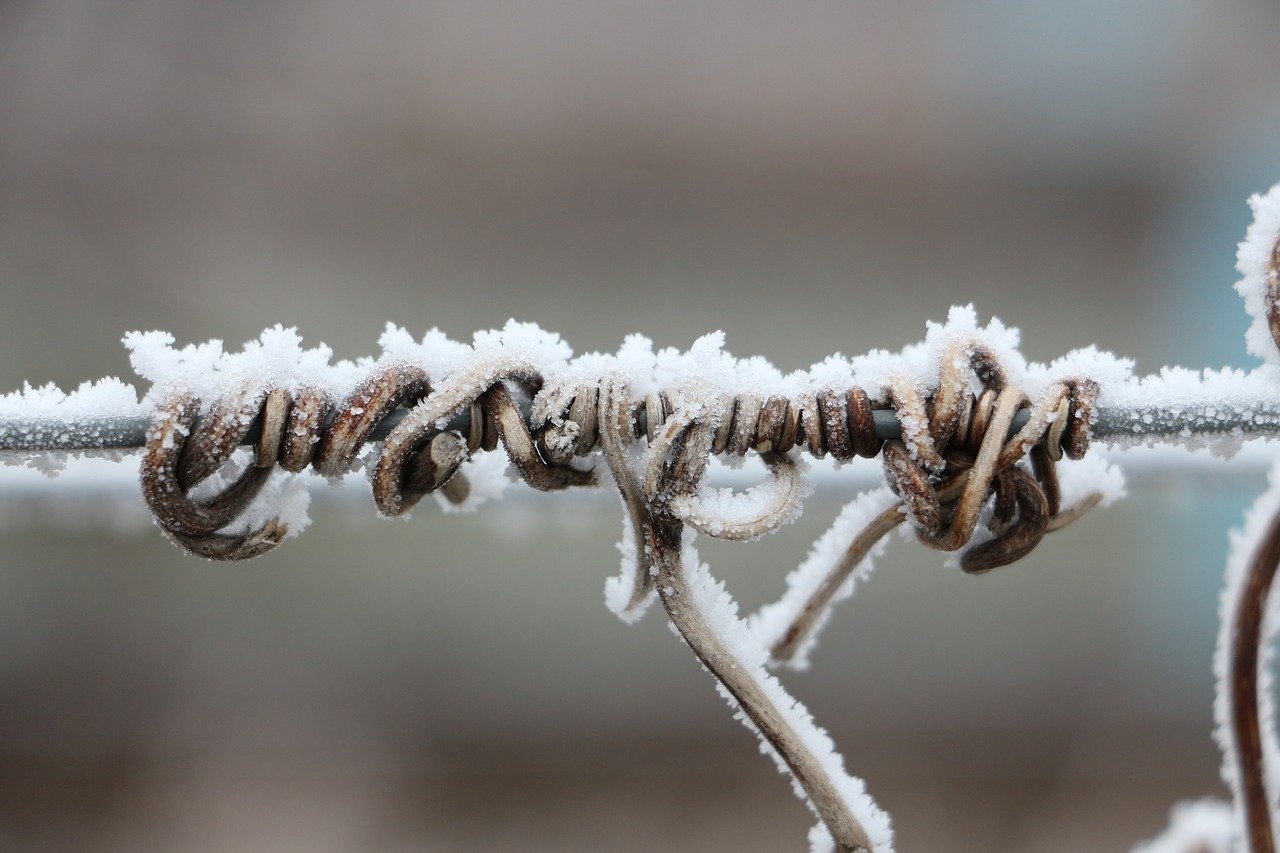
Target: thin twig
(676,455)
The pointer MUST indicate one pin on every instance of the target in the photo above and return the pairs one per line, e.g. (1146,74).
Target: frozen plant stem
(1246,723)
(675,465)
(663,535)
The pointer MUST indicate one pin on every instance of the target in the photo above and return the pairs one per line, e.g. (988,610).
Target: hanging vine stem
(947,429)
(1244,668)
(676,462)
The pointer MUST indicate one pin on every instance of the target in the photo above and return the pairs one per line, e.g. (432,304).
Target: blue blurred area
(1079,87)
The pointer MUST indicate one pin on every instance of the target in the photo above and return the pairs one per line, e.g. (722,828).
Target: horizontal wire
(102,493)
(1112,425)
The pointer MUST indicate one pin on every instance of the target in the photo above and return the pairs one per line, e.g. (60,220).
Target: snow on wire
(984,454)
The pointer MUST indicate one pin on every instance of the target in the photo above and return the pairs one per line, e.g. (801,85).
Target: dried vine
(1245,660)
(957,454)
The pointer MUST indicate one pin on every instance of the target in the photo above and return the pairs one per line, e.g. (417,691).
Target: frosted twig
(629,594)
(1244,708)
(706,618)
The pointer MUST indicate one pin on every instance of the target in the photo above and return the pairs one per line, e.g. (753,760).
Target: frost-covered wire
(297,409)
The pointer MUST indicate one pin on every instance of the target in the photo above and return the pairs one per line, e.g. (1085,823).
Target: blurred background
(809,177)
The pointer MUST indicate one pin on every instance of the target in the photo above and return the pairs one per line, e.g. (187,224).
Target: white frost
(1093,474)
(770,622)
(1252,260)
(487,475)
(1199,826)
(721,613)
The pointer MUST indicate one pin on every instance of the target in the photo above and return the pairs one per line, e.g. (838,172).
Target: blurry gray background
(807,177)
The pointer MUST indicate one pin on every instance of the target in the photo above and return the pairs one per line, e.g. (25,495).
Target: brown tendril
(953,459)
(307,428)
(676,460)
(185,448)
(194,523)
(1273,291)
(1245,655)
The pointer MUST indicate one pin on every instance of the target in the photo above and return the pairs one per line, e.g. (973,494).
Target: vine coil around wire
(423,453)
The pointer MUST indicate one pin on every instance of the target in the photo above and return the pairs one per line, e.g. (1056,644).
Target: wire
(1113,425)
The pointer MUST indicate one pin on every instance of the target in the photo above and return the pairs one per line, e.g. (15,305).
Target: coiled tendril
(944,466)
(954,457)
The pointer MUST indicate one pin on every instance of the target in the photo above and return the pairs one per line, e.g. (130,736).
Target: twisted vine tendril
(948,439)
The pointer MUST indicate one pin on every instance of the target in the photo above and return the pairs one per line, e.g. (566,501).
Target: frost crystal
(770,622)
(1253,259)
(1201,826)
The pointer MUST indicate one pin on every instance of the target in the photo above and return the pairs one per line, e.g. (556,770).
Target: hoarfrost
(720,611)
(1090,475)
(486,474)
(770,623)
(105,398)
(1253,259)
(1198,826)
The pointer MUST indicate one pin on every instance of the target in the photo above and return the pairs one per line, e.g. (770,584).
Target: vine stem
(1246,642)
(675,464)
(663,536)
